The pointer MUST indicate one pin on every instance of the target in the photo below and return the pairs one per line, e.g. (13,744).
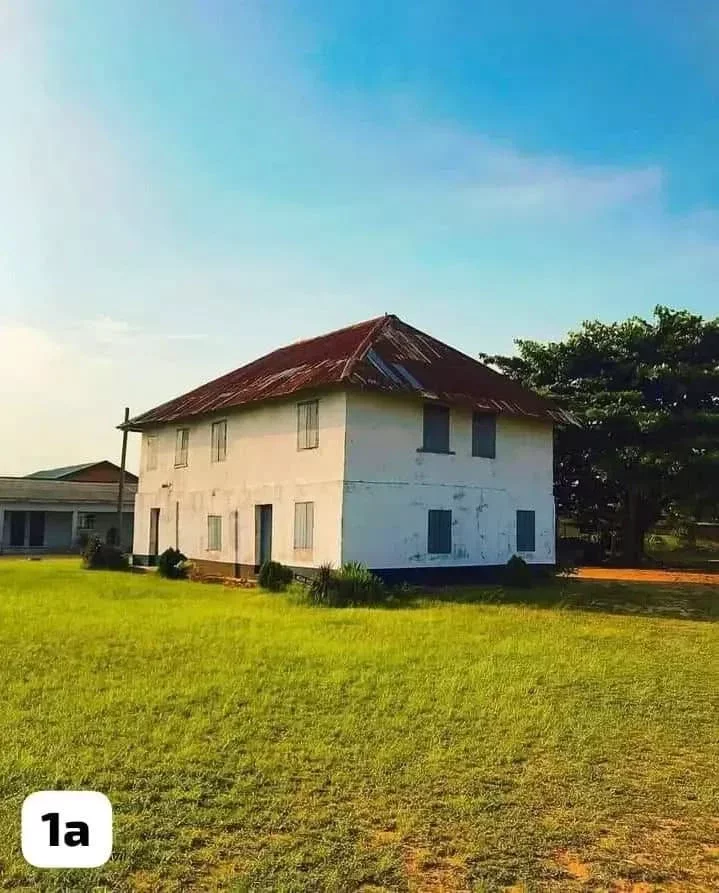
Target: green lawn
(249,742)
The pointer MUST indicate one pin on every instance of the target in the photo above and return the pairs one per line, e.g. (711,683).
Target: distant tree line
(646,395)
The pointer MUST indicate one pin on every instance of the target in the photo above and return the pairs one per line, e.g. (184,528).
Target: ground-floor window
(439,532)
(85,521)
(304,524)
(525,531)
(214,532)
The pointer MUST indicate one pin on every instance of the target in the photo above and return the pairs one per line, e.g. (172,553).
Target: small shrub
(274,576)
(172,564)
(517,573)
(82,540)
(323,588)
(352,584)
(358,585)
(99,556)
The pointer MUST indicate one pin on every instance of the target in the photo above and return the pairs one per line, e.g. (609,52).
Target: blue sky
(187,185)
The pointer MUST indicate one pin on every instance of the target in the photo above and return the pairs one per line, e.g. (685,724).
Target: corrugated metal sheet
(382,354)
(65,492)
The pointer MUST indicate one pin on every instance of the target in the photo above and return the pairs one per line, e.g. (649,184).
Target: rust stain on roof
(382,355)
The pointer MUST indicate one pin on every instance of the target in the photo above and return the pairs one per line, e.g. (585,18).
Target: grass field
(249,742)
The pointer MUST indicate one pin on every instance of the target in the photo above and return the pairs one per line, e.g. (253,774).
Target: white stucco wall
(263,465)
(390,487)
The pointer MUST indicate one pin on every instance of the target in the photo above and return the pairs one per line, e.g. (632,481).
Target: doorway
(37,530)
(154,534)
(17,529)
(263,534)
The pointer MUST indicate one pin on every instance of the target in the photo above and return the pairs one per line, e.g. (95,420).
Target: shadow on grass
(677,601)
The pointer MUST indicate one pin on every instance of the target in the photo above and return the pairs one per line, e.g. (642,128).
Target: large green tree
(646,395)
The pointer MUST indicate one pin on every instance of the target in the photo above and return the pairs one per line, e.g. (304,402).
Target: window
(214,532)
(182,444)
(435,437)
(151,462)
(439,532)
(304,524)
(525,531)
(85,521)
(484,435)
(219,441)
(308,425)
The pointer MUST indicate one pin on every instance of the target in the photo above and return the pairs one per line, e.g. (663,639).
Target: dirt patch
(573,865)
(430,874)
(647,575)
(663,856)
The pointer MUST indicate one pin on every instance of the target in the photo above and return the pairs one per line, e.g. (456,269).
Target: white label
(66,829)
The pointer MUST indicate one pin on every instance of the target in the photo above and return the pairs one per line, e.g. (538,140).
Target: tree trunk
(634,529)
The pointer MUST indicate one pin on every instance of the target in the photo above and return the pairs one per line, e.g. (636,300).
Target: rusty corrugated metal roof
(382,354)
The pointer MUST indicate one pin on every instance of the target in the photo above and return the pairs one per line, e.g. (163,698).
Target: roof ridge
(365,344)
(354,325)
(467,356)
(218,380)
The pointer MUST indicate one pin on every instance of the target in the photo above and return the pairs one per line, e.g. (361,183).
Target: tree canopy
(646,395)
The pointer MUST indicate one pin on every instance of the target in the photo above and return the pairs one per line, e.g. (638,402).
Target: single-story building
(102,472)
(55,510)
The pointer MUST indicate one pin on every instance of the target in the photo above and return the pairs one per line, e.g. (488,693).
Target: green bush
(352,584)
(97,555)
(359,586)
(517,573)
(323,588)
(172,564)
(274,576)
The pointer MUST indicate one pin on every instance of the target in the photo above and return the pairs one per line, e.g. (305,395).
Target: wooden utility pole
(121,485)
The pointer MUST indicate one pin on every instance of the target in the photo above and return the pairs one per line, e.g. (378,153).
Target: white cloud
(452,168)
(522,184)
(106,330)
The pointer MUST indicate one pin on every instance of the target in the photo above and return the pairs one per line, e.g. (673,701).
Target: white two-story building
(376,443)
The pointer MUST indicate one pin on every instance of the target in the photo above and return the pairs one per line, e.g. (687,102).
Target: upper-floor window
(219,441)
(435,430)
(525,531)
(484,435)
(308,425)
(151,455)
(182,445)
(304,524)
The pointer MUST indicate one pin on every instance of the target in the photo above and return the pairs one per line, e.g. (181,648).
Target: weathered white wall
(263,465)
(389,487)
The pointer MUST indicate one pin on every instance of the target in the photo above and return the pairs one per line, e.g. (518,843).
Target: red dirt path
(647,575)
